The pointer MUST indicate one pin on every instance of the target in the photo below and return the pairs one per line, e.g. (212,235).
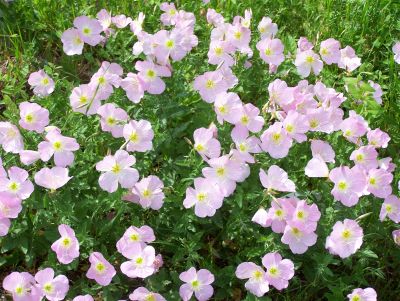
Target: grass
(30,33)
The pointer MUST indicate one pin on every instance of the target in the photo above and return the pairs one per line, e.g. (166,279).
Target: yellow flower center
(19,290)
(169,44)
(300,214)
(11,133)
(210,84)
(199,147)
(14,186)
(151,73)
(342,185)
(257,275)
(279,212)
(195,284)
(83,99)
(242,147)
(372,181)
(201,197)
(310,59)
(244,120)
(150,297)
(313,123)
(220,171)
(102,80)
(172,12)
(218,51)
(77,41)
(29,118)
(48,287)
(273,271)
(146,193)
(360,158)
(268,51)
(222,109)
(289,128)
(66,242)
(237,35)
(389,208)
(100,267)
(134,237)
(276,137)
(346,234)
(356,298)
(139,260)
(116,168)
(57,145)
(324,51)
(134,137)
(296,232)
(87,31)
(347,133)
(45,81)
(111,121)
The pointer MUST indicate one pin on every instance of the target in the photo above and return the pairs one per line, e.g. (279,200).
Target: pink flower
(117,169)
(141,263)
(276,179)
(83,298)
(279,271)
(349,184)
(266,28)
(378,138)
(307,61)
(348,59)
(377,95)
(296,125)
(5,224)
(52,178)
(205,144)
(366,294)
(303,44)
(396,51)
(219,53)
(143,294)
(10,138)
(60,146)
(316,168)
(134,87)
(378,181)
(171,14)
(41,83)
(214,18)
(100,269)
(17,183)
(134,236)
(72,41)
(323,149)
(21,286)
(112,119)
(366,157)
(354,127)
(149,191)
(305,216)
(257,283)
(239,36)
(276,141)
(104,18)
(33,117)
(299,239)
(169,45)
(346,238)
(245,145)
(209,85)
(67,246)
(197,282)
(391,208)
(121,21)
(139,136)
(396,237)
(10,206)
(54,288)
(386,164)
(224,172)
(330,51)
(107,77)
(227,106)
(206,197)
(136,25)
(89,30)
(150,73)
(84,99)
(249,117)
(271,51)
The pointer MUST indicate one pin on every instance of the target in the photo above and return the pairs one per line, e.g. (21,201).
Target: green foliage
(30,32)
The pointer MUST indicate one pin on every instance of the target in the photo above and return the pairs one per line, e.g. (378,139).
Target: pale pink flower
(377,95)
(303,44)
(151,73)
(391,208)
(104,18)
(10,206)
(396,51)
(105,79)
(257,283)
(227,106)
(316,168)
(346,238)
(170,14)
(89,30)
(349,184)
(307,61)
(143,294)
(214,18)
(112,119)
(136,24)
(134,236)
(197,282)
(279,271)
(10,138)
(276,179)
(84,99)
(378,138)
(209,85)
(121,21)
(134,87)
(366,157)
(245,145)
(5,224)
(53,178)
(276,141)
(205,144)
(266,28)
(330,51)
(169,45)
(100,269)
(239,36)
(141,263)
(354,127)
(33,117)
(67,246)
(387,164)
(138,135)
(366,294)
(305,216)
(54,288)
(116,169)
(348,59)
(323,149)
(296,125)
(83,298)
(220,53)
(149,191)
(60,146)
(17,183)
(271,51)
(72,41)
(41,83)
(299,239)
(22,287)
(249,117)
(396,237)
(206,197)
